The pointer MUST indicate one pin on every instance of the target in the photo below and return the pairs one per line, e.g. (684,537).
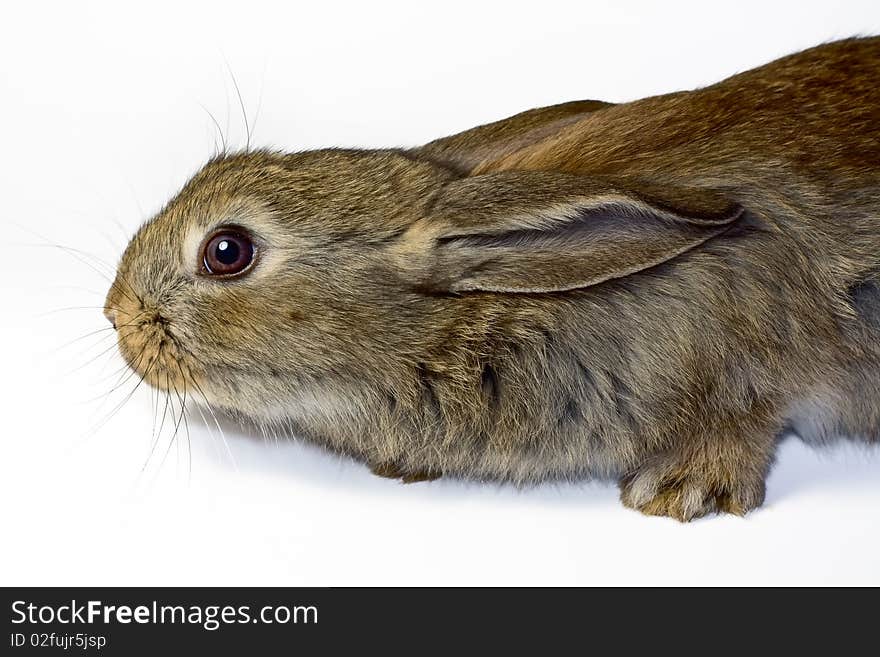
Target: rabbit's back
(797,142)
(818,110)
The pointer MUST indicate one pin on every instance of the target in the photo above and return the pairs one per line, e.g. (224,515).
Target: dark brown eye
(227,253)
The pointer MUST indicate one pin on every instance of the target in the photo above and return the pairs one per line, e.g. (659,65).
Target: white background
(103,120)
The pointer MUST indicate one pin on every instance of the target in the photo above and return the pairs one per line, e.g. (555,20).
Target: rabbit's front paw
(686,489)
(391,470)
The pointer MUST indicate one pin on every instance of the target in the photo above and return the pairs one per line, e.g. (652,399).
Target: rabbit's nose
(111,316)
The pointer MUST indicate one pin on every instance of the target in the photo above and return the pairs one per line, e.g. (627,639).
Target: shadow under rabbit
(799,468)
(290,456)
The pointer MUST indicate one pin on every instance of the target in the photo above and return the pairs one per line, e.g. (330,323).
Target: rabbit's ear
(547,232)
(489,142)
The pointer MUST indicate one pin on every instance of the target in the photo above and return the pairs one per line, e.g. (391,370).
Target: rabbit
(652,292)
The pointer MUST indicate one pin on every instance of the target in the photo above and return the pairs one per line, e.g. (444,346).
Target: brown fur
(652,291)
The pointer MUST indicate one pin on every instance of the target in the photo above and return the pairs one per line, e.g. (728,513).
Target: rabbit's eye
(227,253)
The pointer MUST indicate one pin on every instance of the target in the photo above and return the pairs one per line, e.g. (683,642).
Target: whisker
(74,253)
(185,422)
(78,288)
(125,378)
(154,405)
(104,334)
(125,400)
(101,378)
(103,352)
(126,234)
(70,308)
(80,255)
(176,430)
(216,422)
(112,269)
(95,332)
(228,111)
(113,244)
(186,427)
(118,372)
(217,125)
(259,98)
(207,425)
(158,435)
(102,423)
(241,104)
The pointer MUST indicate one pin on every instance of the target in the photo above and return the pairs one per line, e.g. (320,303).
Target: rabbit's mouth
(150,347)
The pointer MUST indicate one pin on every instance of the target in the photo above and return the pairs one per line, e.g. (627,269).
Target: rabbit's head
(271,277)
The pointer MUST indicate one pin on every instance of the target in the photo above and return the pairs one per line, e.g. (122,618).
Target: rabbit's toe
(422,475)
(391,470)
(388,470)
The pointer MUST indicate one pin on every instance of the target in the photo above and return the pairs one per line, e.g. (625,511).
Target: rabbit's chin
(306,405)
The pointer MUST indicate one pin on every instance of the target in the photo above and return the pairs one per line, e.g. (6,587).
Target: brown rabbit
(652,291)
